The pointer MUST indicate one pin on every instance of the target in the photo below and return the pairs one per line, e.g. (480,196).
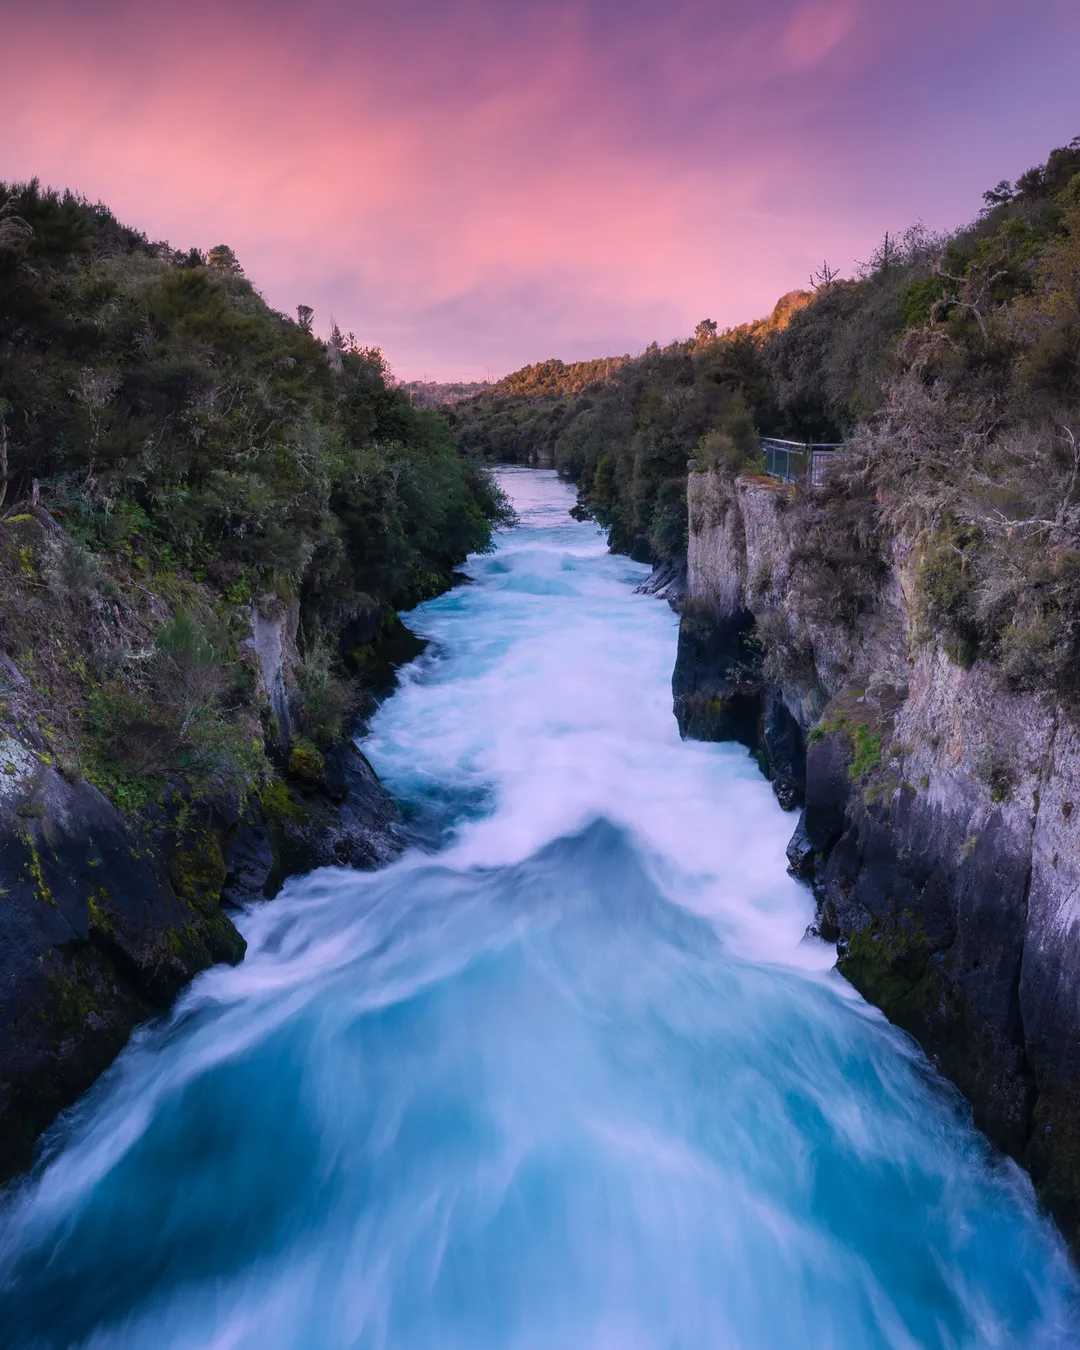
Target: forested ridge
(202,453)
(952,366)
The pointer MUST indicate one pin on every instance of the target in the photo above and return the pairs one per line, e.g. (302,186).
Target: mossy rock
(361,656)
(197,869)
(213,938)
(307,763)
(889,964)
(78,994)
(279,805)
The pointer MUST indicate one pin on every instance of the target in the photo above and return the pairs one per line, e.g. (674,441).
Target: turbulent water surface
(567,1077)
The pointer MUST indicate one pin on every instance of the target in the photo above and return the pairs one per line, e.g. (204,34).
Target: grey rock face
(667,582)
(941,828)
(274,627)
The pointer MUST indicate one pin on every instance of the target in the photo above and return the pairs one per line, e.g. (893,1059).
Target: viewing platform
(791,460)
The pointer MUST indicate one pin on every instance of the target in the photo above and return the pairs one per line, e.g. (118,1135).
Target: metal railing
(784,459)
(791,460)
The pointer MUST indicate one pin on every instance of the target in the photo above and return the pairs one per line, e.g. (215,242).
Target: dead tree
(823,280)
(975,286)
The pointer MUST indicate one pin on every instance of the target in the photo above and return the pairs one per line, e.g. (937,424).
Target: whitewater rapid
(569,1076)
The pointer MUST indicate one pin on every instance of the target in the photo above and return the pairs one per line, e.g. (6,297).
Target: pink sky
(475,185)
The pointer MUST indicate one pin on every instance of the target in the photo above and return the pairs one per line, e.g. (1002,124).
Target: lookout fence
(792,460)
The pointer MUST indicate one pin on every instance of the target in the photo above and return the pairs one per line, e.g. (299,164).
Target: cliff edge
(938,825)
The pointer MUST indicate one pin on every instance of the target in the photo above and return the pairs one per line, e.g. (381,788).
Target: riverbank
(209,520)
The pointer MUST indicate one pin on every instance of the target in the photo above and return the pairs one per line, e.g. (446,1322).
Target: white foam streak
(569,720)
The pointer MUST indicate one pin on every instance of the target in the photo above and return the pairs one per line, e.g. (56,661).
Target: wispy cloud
(477,184)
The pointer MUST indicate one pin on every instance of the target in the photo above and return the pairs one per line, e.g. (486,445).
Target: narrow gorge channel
(568,1074)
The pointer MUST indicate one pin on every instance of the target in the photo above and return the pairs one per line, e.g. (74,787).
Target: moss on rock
(888,962)
(307,763)
(197,869)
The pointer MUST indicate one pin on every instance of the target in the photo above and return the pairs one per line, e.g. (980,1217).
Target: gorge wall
(939,823)
(112,899)
(209,519)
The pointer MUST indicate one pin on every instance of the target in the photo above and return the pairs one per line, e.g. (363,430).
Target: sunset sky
(473,184)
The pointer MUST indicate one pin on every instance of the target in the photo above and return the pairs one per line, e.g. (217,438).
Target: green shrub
(170,414)
(129,746)
(720,452)
(946,593)
(668,522)
(919,299)
(867,751)
(306,762)
(325,700)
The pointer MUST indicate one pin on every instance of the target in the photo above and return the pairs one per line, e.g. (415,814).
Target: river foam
(568,1076)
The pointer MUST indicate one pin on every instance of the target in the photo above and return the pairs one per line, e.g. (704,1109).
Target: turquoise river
(568,1076)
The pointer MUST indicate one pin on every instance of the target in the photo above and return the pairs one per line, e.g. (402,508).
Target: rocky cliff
(117,890)
(939,825)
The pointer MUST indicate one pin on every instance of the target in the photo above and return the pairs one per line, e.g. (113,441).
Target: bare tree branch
(824,279)
(975,286)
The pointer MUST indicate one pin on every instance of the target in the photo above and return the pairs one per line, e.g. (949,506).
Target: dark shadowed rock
(100,927)
(105,917)
(640,549)
(374,645)
(800,852)
(347,824)
(827,791)
(715,684)
(784,742)
(720,695)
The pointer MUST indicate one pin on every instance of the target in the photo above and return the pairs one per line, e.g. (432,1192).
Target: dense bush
(972,455)
(168,412)
(623,429)
(201,451)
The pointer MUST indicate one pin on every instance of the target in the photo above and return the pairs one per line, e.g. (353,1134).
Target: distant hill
(647,413)
(431,394)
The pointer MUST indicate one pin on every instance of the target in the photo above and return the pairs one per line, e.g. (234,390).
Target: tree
(304,317)
(886,254)
(223,259)
(336,347)
(14,231)
(1033,182)
(1000,195)
(824,279)
(3,450)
